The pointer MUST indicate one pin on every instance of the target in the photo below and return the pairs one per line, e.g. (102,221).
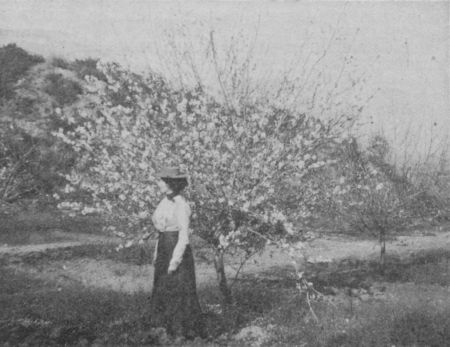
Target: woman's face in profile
(163,187)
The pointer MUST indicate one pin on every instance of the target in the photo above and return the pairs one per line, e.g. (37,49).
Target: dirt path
(403,246)
(331,249)
(117,276)
(71,240)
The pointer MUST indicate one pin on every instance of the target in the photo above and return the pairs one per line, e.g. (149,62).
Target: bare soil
(129,278)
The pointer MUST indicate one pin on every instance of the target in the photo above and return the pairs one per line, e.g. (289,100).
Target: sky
(403,46)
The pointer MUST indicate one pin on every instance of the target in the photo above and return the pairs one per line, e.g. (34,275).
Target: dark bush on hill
(32,160)
(14,63)
(60,63)
(87,67)
(64,90)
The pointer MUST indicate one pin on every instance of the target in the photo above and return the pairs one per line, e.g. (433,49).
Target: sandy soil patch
(105,274)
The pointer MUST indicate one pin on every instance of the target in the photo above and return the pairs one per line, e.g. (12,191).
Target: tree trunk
(221,277)
(382,251)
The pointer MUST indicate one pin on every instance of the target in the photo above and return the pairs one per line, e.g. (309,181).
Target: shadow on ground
(425,267)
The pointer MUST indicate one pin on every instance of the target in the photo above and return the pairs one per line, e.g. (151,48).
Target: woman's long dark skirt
(174,303)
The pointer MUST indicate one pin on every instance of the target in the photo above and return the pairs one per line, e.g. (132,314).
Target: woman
(174,302)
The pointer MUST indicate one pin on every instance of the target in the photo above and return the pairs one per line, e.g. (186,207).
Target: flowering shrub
(237,158)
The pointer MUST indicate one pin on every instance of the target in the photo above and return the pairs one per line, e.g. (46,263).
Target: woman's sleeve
(182,214)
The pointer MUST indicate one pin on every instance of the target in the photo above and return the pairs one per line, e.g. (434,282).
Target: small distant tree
(429,171)
(370,196)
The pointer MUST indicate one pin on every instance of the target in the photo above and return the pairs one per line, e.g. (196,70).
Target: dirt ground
(129,278)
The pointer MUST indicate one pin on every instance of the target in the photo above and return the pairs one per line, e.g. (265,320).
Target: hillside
(36,93)
(33,93)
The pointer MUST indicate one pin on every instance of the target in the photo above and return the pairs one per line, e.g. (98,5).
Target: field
(83,292)
(311,128)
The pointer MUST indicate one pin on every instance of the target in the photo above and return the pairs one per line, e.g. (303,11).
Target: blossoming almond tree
(237,159)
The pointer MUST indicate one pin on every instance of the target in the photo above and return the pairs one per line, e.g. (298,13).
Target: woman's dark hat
(171,172)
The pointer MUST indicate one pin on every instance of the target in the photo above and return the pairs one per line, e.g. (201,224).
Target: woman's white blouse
(173,215)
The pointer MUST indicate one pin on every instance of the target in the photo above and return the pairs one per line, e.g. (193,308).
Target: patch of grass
(136,254)
(392,321)
(398,325)
(56,314)
(40,312)
(428,267)
(413,309)
(421,327)
(81,224)
(18,228)
(32,227)
(53,314)
(47,313)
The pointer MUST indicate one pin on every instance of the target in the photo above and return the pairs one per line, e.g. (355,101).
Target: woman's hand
(171,269)
(146,236)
